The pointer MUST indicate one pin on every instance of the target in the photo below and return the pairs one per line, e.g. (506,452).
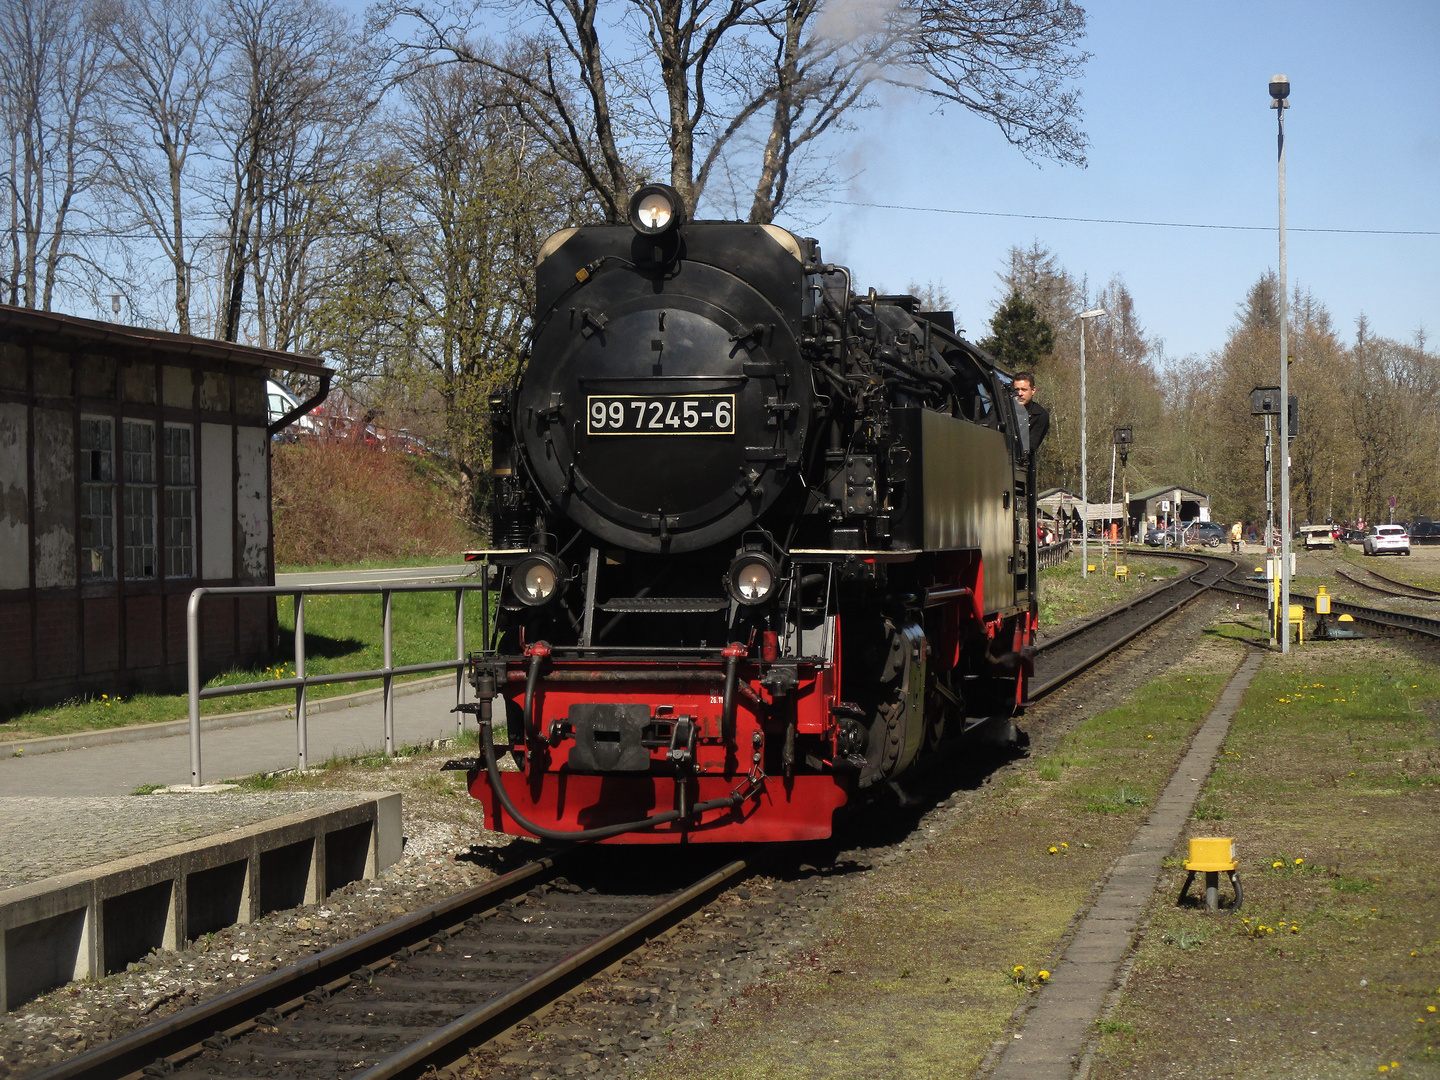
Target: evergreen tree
(1019,335)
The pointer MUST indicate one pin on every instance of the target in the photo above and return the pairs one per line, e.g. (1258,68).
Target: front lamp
(655,209)
(538,579)
(752,578)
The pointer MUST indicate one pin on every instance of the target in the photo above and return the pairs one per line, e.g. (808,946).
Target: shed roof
(1166,489)
(143,339)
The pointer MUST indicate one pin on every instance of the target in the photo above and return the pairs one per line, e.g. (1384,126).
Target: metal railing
(300,681)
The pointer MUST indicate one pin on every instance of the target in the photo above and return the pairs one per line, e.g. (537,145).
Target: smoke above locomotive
(750,524)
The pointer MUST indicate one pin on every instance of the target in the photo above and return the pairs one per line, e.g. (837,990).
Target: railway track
(1065,656)
(1390,620)
(1388,589)
(414,995)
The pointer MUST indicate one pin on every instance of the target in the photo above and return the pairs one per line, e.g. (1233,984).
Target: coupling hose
(492,769)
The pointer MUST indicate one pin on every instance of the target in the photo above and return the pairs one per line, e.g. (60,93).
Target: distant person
(1235,531)
(1039,415)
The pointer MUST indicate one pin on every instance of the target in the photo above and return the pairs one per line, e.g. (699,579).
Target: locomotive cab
(761,542)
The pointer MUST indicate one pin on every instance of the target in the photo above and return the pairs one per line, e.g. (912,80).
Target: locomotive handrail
(301,681)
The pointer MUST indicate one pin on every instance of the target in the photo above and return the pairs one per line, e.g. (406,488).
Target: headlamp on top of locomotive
(656,208)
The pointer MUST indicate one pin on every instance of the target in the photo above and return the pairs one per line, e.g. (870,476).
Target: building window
(138,464)
(97,498)
(179,501)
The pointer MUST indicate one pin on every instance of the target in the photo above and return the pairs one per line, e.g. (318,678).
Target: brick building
(134,467)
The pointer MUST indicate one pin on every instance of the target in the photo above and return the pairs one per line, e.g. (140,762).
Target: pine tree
(1019,335)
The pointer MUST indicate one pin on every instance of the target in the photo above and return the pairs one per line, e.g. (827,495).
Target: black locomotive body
(762,541)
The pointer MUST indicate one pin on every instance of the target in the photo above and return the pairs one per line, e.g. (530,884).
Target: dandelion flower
(1054,850)
(1063,844)
(1018,969)
(1276,864)
(1299,862)
(1384,1068)
(1429,1008)
(1044,975)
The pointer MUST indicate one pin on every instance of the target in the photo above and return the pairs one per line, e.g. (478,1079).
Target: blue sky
(1177,113)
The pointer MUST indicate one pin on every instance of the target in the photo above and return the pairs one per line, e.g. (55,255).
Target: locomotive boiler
(761,541)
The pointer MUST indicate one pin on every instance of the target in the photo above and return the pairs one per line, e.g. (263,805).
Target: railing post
(460,661)
(192,659)
(302,733)
(388,679)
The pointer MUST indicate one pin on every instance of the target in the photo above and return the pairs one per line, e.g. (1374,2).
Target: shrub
(339,501)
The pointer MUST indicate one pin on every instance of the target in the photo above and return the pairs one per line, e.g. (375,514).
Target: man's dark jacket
(1039,423)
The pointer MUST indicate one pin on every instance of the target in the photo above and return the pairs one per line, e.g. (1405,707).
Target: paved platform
(120,766)
(47,837)
(191,864)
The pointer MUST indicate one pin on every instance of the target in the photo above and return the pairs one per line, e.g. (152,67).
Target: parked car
(1392,539)
(1317,536)
(1424,531)
(1209,533)
(281,401)
(1352,536)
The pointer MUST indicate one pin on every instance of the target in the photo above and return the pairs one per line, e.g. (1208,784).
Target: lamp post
(1279,91)
(1094,313)
(1124,436)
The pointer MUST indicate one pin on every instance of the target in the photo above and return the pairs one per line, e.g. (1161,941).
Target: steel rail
(443,1046)
(180,1036)
(1196,587)
(1391,620)
(1382,590)
(1426,593)
(160,1047)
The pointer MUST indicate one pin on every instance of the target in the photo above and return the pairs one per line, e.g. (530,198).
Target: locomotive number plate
(661,414)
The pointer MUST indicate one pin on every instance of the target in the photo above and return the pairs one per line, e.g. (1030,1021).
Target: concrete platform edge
(50,744)
(88,923)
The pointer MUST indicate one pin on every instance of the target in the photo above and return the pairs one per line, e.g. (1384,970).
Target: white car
(1387,538)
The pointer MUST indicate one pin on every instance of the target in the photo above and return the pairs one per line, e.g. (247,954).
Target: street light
(1094,313)
(1279,91)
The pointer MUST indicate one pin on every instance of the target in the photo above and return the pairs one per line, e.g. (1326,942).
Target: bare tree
(296,90)
(687,81)
(438,248)
(53,55)
(166,53)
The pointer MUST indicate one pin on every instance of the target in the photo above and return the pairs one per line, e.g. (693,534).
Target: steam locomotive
(761,541)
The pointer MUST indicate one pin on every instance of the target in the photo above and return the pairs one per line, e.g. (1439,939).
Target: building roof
(142,339)
(1165,489)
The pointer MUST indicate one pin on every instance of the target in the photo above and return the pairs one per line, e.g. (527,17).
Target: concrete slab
(1057,1029)
(96,919)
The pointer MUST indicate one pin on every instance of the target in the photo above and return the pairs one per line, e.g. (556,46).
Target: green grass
(342,633)
(1065,594)
(1159,714)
